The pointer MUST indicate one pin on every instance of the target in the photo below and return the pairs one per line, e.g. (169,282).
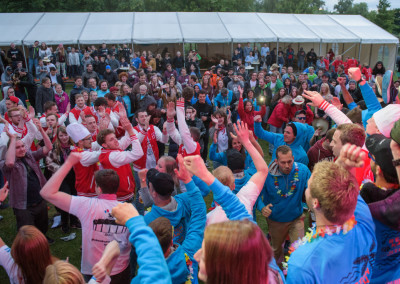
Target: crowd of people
(131,153)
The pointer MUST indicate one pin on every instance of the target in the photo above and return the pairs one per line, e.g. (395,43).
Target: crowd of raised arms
(131,153)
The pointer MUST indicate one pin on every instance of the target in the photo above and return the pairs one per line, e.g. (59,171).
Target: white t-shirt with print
(8,264)
(98,229)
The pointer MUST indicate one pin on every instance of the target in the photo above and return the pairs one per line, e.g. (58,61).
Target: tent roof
(190,27)
(327,29)
(109,27)
(247,27)
(364,29)
(288,28)
(55,28)
(15,26)
(161,28)
(203,28)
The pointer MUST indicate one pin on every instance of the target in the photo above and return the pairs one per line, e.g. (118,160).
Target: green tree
(343,6)
(384,17)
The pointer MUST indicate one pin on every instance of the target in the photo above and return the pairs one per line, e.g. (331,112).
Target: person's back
(342,245)
(350,252)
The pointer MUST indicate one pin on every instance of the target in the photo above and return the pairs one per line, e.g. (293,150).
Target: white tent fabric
(364,29)
(15,26)
(247,27)
(109,27)
(288,28)
(56,28)
(327,29)
(203,28)
(161,28)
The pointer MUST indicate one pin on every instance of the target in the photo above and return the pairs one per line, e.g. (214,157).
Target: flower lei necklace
(293,184)
(189,264)
(320,232)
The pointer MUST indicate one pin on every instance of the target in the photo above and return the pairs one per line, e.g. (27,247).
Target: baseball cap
(395,133)
(13,99)
(162,183)
(9,69)
(108,67)
(379,146)
(386,117)
(235,160)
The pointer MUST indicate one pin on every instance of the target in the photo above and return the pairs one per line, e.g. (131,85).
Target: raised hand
(122,111)
(4,192)
(214,120)
(182,173)
(83,117)
(314,97)
(355,73)
(257,118)
(104,121)
(240,89)
(351,156)
(341,81)
(31,113)
(68,108)
(229,115)
(171,112)
(195,165)
(123,212)
(242,132)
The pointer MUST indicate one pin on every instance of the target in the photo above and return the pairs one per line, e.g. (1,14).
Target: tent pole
(231,49)
(277,50)
(183,54)
(23,49)
(370,54)
(359,53)
(320,47)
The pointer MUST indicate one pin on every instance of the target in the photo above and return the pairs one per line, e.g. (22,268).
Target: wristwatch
(396,163)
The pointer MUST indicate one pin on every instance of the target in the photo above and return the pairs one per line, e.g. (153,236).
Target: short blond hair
(336,190)
(62,272)
(224,175)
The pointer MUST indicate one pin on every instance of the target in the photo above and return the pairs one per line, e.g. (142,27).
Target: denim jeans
(33,63)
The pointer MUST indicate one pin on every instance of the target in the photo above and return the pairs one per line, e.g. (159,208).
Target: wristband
(396,163)
(359,81)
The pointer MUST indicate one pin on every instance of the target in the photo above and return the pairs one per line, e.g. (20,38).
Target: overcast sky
(371,3)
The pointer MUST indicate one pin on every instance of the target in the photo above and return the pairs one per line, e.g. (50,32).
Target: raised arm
(187,139)
(242,133)
(234,209)
(10,155)
(50,191)
(319,102)
(345,93)
(48,146)
(171,129)
(152,265)
(261,133)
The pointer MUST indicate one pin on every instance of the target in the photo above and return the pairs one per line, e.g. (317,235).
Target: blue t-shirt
(101,94)
(339,258)
(387,260)
(136,62)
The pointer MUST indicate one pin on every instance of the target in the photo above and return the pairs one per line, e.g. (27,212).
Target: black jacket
(204,110)
(111,78)
(43,95)
(178,62)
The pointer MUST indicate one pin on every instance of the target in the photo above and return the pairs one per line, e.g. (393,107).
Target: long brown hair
(31,252)
(57,145)
(232,245)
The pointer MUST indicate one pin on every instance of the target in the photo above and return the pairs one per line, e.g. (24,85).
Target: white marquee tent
(352,36)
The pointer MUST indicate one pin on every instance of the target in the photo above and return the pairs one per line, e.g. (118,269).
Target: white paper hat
(386,117)
(77,131)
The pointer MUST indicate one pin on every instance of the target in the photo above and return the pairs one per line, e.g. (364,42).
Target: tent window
(383,54)
(335,48)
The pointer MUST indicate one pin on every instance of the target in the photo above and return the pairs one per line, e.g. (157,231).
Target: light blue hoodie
(299,154)
(179,268)
(285,209)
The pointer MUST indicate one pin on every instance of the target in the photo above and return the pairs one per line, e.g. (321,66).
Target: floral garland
(293,184)
(189,264)
(315,233)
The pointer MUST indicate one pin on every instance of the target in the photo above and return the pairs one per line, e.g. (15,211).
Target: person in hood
(292,137)
(180,257)
(197,88)
(283,193)
(383,199)
(77,89)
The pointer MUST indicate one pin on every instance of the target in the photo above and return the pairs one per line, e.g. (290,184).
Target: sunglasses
(301,118)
